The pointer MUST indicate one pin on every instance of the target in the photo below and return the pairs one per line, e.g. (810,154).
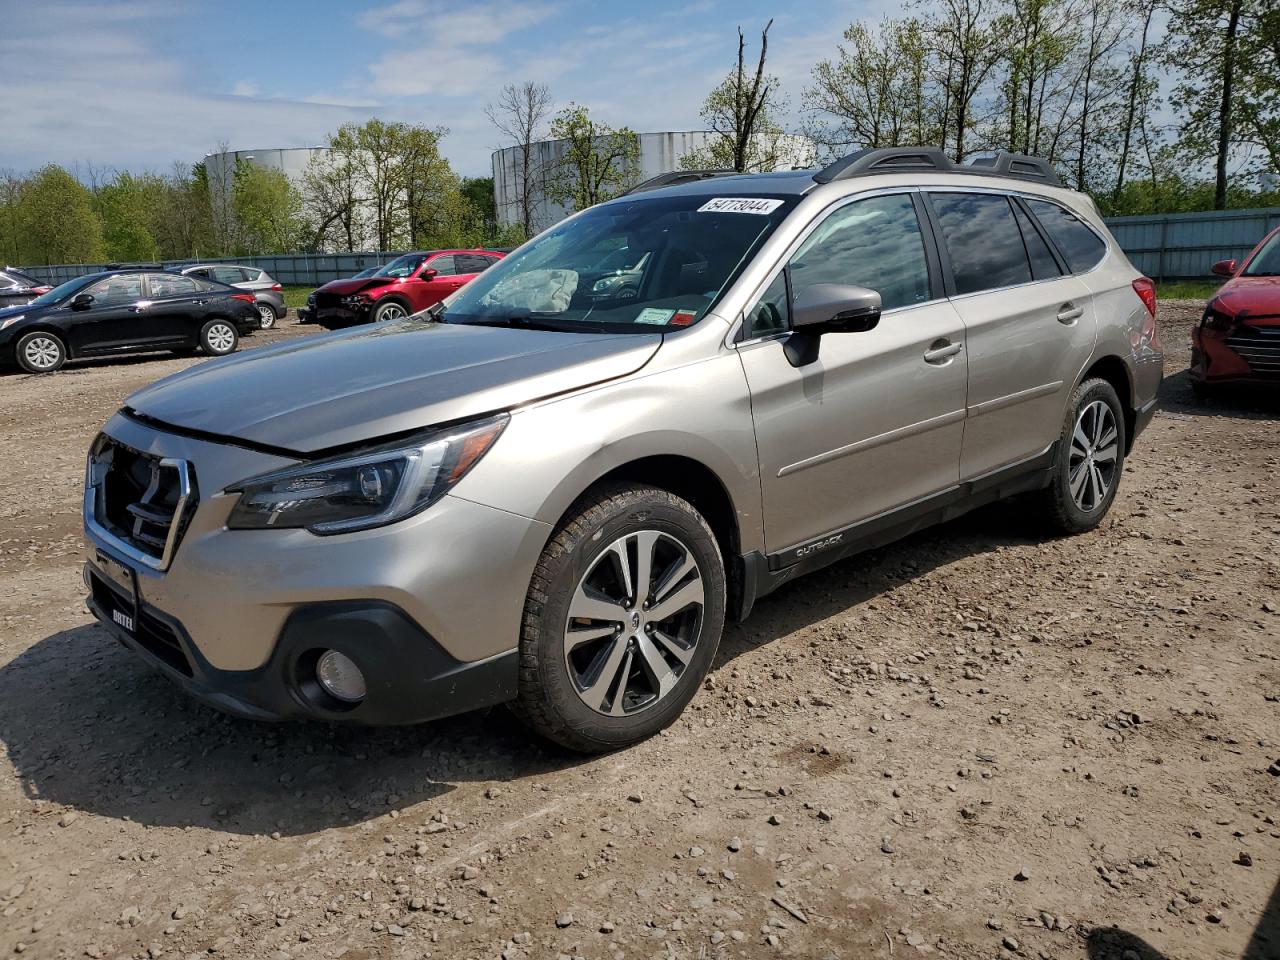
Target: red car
(406,285)
(1238,340)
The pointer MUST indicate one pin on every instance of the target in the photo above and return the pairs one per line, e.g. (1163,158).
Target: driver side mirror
(429,274)
(825,308)
(1223,268)
(81,300)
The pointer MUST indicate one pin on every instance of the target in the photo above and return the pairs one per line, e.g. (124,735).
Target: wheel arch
(694,481)
(1114,371)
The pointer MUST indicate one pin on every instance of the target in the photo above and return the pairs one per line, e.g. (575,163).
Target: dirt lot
(974,743)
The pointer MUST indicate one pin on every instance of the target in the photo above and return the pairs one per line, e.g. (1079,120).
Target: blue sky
(138,85)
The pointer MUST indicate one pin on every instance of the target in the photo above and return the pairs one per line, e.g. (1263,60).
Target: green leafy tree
(598,162)
(56,221)
(1227,54)
(267,208)
(877,92)
(125,205)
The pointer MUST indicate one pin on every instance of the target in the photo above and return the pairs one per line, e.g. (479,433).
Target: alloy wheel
(266,317)
(392,311)
(1094,457)
(42,353)
(221,338)
(634,622)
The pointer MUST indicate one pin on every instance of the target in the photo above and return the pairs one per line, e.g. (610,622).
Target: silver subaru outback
(547,495)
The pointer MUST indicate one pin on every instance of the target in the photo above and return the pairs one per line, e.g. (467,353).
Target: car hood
(1255,296)
(345,288)
(338,389)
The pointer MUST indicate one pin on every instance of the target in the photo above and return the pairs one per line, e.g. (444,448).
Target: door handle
(941,351)
(1070,313)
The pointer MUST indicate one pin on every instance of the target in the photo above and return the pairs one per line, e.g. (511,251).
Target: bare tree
(520,114)
(738,110)
(964,42)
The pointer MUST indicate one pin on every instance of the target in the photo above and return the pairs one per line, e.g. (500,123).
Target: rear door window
(982,240)
(1079,245)
(1043,265)
(164,285)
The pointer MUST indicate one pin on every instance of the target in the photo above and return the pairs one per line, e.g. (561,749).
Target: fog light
(340,677)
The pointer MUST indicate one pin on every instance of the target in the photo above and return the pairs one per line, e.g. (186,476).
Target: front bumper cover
(409,677)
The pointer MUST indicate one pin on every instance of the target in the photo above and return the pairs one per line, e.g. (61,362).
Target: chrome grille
(138,500)
(1259,347)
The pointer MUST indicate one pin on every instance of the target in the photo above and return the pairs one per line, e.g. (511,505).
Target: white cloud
(243,88)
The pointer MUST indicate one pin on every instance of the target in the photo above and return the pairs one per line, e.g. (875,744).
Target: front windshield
(627,266)
(1267,261)
(61,292)
(401,267)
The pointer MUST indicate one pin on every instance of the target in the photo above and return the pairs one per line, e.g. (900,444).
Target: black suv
(125,311)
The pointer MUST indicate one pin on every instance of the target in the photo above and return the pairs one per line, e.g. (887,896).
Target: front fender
(554,450)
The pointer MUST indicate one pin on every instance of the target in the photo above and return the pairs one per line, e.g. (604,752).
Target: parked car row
(126,311)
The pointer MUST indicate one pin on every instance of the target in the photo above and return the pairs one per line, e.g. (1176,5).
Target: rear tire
(219,338)
(645,569)
(266,316)
(40,352)
(1089,460)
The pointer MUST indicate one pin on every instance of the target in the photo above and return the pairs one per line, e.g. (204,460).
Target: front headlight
(357,300)
(368,489)
(10,321)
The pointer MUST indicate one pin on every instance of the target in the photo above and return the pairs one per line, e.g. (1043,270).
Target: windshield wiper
(532,322)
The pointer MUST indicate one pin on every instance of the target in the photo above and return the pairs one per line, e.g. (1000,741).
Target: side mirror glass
(81,300)
(1223,268)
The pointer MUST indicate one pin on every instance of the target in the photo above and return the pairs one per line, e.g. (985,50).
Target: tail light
(41,289)
(1145,288)
(246,297)
(276,287)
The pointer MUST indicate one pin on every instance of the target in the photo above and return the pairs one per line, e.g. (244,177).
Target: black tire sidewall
(21,345)
(204,338)
(636,512)
(1071,516)
(381,308)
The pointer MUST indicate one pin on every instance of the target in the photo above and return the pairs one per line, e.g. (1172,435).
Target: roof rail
(676,177)
(1016,165)
(915,159)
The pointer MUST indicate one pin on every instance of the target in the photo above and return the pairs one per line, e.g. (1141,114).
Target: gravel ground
(974,743)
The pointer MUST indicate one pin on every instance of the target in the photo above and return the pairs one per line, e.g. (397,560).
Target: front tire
(40,352)
(1089,461)
(219,338)
(622,619)
(390,310)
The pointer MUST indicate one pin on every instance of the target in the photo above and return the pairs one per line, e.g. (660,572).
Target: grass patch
(295,297)
(1187,290)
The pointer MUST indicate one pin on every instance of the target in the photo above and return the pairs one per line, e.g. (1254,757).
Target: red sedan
(406,285)
(1238,340)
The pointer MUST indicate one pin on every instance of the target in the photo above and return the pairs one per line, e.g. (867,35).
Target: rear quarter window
(1079,245)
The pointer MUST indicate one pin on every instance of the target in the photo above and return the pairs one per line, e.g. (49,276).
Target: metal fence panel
(1174,246)
(1182,246)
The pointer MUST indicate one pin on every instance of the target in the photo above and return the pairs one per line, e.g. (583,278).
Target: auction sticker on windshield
(654,315)
(760,205)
